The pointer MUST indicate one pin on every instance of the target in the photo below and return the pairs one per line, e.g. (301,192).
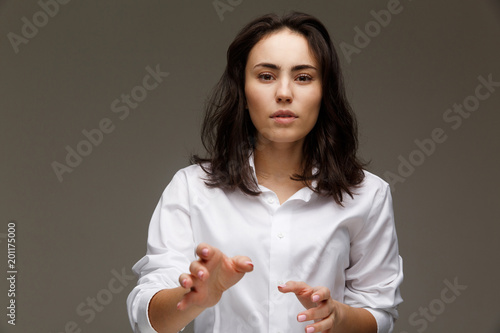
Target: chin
(285,140)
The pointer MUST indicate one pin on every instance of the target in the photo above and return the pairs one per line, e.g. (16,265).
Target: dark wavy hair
(228,133)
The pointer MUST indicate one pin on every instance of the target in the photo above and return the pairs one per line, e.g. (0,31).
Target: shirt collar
(303,194)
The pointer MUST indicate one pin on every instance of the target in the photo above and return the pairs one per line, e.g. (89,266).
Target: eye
(304,78)
(266,76)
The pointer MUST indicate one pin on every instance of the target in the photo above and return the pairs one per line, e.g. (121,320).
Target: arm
(356,320)
(376,272)
(172,309)
(167,298)
(164,315)
(170,250)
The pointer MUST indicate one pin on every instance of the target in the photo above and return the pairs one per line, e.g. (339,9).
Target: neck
(277,162)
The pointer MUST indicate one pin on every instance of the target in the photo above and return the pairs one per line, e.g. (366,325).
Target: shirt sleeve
(376,271)
(170,250)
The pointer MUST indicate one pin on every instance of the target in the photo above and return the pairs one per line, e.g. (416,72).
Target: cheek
(250,97)
(314,102)
(258,105)
(314,105)
(254,96)
(253,106)
(316,98)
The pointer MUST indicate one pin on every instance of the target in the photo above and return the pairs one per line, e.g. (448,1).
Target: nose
(284,92)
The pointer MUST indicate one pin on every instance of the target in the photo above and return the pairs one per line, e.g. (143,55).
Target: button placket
(279,266)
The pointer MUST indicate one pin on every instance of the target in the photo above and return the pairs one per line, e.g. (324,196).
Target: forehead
(284,48)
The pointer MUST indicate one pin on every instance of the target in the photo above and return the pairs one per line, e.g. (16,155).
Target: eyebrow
(294,68)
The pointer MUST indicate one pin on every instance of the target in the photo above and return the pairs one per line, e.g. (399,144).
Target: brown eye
(266,76)
(304,78)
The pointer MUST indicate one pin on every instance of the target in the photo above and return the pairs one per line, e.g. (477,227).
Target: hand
(321,308)
(211,275)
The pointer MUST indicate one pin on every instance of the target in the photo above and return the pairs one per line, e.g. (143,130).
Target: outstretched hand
(321,308)
(211,275)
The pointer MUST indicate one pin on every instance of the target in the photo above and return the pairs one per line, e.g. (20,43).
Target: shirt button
(270,200)
(280,235)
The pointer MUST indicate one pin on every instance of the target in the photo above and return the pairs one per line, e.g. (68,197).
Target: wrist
(353,319)
(342,315)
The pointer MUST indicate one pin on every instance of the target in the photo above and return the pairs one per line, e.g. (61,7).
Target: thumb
(242,264)
(297,287)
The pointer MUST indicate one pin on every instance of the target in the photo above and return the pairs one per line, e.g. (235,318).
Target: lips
(284,117)
(283,114)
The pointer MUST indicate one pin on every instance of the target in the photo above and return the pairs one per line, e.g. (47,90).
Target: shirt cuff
(143,325)
(385,321)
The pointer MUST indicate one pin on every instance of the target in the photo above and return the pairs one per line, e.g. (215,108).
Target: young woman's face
(283,87)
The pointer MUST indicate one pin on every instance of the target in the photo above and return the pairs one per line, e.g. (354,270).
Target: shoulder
(371,190)
(372,182)
(185,183)
(193,178)
(191,175)
(372,200)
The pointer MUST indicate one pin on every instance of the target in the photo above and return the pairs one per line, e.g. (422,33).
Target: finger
(321,326)
(242,264)
(297,287)
(320,294)
(186,281)
(184,303)
(317,313)
(198,270)
(205,251)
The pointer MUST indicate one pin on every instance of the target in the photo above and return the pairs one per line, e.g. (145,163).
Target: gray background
(74,235)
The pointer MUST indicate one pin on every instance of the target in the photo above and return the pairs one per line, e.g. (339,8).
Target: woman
(279,229)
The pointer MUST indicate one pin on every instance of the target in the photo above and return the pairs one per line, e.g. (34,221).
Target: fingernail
(179,306)
(249,263)
(282,285)
(310,329)
(204,252)
(315,299)
(301,318)
(184,283)
(200,274)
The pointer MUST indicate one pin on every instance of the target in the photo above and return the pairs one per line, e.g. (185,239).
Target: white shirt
(352,250)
